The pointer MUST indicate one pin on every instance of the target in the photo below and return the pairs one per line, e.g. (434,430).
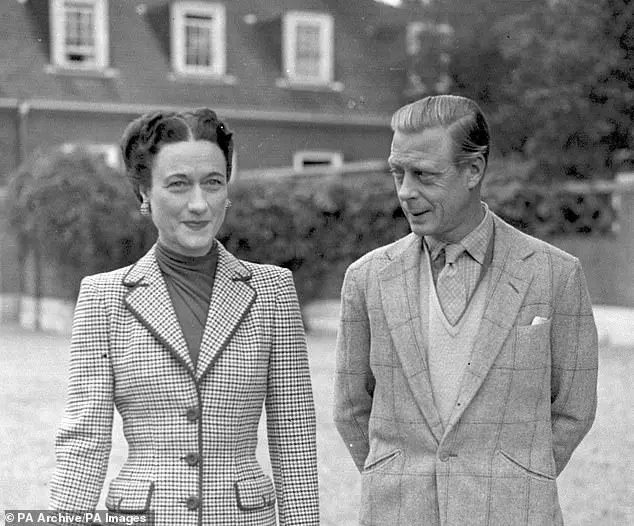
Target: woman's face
(188,195)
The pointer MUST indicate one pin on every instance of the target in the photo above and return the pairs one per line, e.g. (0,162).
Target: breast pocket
(129,495)
(532,345)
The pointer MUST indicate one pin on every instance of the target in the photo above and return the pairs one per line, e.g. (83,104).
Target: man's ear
(144,193)
(475,171)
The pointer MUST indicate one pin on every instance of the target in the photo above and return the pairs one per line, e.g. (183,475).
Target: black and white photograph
(317,262)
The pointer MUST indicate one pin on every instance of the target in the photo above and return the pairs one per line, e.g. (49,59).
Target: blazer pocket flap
(129,496)
(255,493)
(380,462)
(539,475)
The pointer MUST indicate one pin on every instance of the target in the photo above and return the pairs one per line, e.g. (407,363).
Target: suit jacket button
(193,502)
(192,459)
(193,413)
(444,456)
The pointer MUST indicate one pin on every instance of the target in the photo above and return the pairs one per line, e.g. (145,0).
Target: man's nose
(407,189)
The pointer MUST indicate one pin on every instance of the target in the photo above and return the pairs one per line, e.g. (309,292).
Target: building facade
(301,83)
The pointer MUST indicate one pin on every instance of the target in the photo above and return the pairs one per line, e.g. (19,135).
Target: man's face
(438,198)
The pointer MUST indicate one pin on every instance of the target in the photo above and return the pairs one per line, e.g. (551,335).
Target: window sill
(201,78)
(67,71)
(309,86)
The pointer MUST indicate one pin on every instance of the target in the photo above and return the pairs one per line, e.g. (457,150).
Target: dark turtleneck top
(189,282)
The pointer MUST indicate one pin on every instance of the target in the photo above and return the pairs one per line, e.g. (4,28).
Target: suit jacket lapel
(149,301)
(510,278)
(231,299)
(400,295)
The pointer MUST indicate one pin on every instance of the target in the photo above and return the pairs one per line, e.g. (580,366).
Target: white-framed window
(308,47)
(198,38)
(307,159)
(79,34)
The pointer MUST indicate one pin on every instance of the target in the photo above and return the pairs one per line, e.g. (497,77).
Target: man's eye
(177,184)
(422,176)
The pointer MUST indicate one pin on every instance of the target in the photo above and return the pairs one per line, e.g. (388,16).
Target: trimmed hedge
(79,214)
(83,217)
(313,226)
(318,226)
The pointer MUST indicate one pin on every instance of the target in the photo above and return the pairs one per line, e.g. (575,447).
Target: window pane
(79,31)
(198,40)
(308,50)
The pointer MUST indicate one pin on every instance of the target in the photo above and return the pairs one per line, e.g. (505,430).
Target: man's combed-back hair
(461,116)
(144,137)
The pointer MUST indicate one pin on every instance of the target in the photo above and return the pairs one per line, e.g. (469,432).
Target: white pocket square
(538,320)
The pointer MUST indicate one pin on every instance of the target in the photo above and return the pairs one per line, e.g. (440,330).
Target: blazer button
(444,456)
(193,503)
(193,413)
(192,459)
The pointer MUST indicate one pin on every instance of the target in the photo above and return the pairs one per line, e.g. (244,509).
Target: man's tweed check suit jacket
(527,397)
(191,433)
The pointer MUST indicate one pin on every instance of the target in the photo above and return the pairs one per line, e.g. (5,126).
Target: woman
(188,343)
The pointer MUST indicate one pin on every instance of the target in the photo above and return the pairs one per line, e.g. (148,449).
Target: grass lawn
(595,488)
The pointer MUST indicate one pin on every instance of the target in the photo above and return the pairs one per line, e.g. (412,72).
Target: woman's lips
(196,225)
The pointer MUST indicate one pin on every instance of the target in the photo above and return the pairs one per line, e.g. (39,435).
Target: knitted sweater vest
(448,347)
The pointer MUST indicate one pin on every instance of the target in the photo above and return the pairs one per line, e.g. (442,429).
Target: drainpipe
(23,134)
(23,110)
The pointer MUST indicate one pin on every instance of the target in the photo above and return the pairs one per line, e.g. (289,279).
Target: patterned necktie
(450,286)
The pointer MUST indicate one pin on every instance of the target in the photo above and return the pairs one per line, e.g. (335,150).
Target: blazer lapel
(400,295)
(231,299)
(510,279)
(149,301)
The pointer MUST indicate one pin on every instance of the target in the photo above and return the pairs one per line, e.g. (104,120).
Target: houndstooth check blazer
(191,433)
(527,397)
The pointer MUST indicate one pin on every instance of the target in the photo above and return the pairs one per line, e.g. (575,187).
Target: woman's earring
(228,203)
(145,208)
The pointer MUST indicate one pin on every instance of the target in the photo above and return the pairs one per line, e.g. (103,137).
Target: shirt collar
(475,242)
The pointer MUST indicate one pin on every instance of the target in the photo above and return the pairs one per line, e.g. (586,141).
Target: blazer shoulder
(534,246)
(381,254)
(107,280)
(265,271)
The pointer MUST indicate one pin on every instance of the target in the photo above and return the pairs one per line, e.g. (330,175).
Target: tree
(570,96)
(79,214)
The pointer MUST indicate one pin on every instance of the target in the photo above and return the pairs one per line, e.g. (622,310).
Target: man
(467,351)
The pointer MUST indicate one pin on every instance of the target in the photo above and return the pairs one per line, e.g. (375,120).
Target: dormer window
(308,47)
(79,30)
(198,38)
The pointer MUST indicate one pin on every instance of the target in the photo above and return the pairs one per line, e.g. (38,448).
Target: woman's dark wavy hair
(144,136)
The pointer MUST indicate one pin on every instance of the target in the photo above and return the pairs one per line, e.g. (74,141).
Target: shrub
(80,213)
(313,226)
(83,216)
(545,211)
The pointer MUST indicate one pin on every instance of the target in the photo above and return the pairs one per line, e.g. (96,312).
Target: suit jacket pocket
(127,495)
(255,493)
(381,462)
(532,345)
(538,475)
